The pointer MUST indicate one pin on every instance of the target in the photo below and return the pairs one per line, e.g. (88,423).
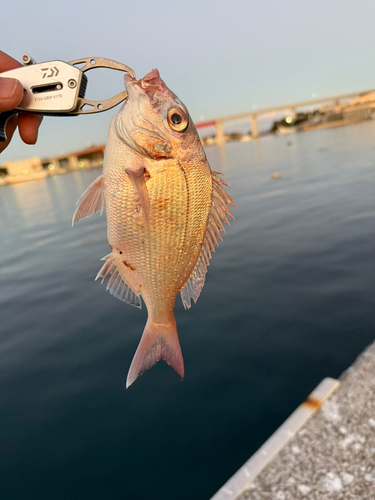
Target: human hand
(11,94)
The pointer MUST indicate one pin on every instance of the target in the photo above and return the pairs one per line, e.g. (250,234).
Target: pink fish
(165,212)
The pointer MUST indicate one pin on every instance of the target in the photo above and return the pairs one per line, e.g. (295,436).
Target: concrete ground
(333,456)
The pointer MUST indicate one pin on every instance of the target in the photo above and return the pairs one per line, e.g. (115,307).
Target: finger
(11,94)
(28,125)
(10,128)
(7,62)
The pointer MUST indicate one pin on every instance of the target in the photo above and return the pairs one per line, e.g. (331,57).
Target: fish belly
(156,259)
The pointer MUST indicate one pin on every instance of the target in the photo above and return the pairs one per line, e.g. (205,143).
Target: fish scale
(162,244)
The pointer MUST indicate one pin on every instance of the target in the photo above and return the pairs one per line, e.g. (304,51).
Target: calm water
(289,299)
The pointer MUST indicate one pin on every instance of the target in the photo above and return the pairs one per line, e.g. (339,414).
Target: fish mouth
(150,85)
(138,129)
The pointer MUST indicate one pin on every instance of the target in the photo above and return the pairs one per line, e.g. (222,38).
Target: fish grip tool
(57,88)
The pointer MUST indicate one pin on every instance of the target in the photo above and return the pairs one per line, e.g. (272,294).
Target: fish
(165,210)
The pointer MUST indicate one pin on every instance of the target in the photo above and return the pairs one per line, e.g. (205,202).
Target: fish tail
(159,341)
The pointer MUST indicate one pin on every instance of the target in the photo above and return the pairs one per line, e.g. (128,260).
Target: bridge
(254,114)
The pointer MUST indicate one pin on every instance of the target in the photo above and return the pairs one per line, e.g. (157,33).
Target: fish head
(153,121)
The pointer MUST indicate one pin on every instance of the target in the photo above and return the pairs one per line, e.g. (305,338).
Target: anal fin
(117,286)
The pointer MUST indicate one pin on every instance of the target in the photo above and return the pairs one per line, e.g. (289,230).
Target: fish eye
(177,120)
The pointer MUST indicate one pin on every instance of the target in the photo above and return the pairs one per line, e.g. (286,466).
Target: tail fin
(157,342)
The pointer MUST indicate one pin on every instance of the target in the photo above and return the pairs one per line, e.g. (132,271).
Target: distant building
(357,109)
(23,170)
(23,167)
(35,168)
(91,157)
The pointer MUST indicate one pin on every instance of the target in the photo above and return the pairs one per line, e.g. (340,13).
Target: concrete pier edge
(244,479)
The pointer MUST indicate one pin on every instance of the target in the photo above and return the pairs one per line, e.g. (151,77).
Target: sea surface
(289,299)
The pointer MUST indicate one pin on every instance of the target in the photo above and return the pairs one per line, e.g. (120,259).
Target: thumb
(11,94)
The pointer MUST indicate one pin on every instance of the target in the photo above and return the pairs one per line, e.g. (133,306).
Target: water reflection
(217,155)
(288,300)
(29,204)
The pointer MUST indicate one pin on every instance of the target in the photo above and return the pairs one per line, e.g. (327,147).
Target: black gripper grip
(4,117)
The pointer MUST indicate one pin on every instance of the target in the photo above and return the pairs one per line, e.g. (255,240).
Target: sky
(219,57)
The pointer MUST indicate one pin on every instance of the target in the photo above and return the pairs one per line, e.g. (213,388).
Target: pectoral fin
(137,176)
(91,201)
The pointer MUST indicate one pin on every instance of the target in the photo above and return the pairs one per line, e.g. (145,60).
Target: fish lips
(150,85)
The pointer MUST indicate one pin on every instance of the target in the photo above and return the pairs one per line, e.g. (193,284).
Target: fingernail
(7,87)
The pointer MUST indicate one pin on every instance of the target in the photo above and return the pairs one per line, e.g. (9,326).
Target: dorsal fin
(91,201)
(117,286)
(218,214)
